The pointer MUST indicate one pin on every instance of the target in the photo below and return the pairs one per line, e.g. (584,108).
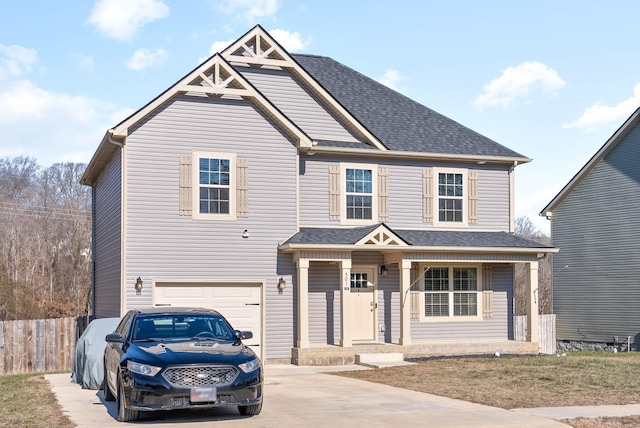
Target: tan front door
(363,304)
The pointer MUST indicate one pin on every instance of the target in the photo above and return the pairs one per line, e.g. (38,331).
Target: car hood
(190,352)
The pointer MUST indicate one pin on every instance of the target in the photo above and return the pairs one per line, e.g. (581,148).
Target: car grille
(181,377)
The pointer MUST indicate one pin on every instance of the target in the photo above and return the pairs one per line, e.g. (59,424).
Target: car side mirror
(114,338)
(243,334)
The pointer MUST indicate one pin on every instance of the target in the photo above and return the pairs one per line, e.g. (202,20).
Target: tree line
(45,240)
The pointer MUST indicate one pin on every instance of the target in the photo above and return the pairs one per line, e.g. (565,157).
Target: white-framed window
(451,188)
(214,190)
(359,193)
(451,293)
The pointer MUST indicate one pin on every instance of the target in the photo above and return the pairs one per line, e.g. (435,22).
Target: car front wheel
(250,410)
(124,414)
(108,395)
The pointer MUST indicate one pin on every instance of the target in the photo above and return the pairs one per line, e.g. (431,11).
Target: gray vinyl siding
(405,194)
(162,245)
(299,104)
(499,327)
(107,228)
(324,307)
(324,303)
(596,228)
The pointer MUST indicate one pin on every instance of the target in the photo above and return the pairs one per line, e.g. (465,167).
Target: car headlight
(143,369)
(250,366)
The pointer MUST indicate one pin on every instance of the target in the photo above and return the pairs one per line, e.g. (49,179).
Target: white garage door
(241,305)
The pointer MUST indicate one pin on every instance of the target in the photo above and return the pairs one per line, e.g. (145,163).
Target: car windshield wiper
(151,339)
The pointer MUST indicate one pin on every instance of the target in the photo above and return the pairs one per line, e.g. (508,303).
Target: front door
(363,304)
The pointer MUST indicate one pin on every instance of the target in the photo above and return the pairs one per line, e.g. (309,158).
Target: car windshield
(180,327)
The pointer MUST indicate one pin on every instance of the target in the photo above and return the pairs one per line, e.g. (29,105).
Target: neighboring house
(313,206)
(594,223)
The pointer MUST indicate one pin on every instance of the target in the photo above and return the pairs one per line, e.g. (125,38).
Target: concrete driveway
(308,397)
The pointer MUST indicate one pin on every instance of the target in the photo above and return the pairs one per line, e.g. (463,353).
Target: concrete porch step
(379,360)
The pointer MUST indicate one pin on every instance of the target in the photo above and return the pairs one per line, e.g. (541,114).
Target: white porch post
(532,302)
(405,302)
(346,339)
(303,303)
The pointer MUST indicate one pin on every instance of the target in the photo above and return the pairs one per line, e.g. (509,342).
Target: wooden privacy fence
(546,329)
(31,346)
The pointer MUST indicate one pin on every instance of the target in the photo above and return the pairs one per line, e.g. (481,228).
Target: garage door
(241,304)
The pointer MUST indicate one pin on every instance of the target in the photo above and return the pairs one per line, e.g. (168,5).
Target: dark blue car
(159,359)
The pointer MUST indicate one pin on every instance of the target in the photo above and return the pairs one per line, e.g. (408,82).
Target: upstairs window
(451,197)
(214,190)
(215,185)
(359,194)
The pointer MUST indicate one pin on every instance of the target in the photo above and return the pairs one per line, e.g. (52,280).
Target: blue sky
(551,80)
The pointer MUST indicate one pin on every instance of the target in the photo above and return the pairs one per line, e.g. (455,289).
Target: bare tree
(525,228)
(45,240)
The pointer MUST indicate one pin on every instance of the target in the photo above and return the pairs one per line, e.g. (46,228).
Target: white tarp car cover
(88,362)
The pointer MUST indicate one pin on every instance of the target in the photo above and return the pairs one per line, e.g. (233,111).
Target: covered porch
(407,292)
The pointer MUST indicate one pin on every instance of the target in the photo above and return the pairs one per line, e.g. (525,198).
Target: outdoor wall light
(245,234)
(282,284)
(138,285)
(382,270)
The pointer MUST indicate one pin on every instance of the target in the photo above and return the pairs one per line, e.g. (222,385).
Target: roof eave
(288,247)
(103,153)
(397,154)
(620,133)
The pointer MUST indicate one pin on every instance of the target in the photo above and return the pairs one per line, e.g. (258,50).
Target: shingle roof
(396,120)
(420,238)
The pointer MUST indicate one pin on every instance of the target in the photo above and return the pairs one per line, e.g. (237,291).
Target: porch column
(405,302)
(346,339)
(303,303)
(532,302)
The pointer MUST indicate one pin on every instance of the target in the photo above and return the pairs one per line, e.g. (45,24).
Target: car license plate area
(202,395)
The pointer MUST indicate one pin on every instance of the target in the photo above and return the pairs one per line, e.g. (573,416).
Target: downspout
(512,198)
(112,141)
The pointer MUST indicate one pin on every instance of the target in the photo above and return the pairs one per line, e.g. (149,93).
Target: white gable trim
(257,47)
(217,77)
(382,236)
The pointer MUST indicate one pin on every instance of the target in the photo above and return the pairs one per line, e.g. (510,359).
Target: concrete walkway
(572,412)
(310,397)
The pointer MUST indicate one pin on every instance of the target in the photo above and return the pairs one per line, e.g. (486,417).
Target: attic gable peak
(257,47)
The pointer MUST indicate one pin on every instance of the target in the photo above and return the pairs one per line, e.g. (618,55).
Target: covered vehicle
(159,359)
(87,366)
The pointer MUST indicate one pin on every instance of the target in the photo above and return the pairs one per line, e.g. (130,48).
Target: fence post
(2,348)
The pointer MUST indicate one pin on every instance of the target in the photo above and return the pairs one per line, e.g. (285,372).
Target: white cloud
(250,11)
(217,47)
(292,42)
(518,83)
(600,114)
(16,60)
(120,19)
(144,58)
(52,127)
(391,78)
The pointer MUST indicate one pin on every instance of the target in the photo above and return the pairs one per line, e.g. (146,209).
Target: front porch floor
(330,355)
